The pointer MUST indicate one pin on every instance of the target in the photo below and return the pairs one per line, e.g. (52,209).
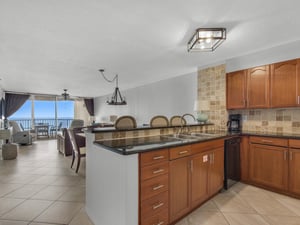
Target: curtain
(89,103)
(13,102)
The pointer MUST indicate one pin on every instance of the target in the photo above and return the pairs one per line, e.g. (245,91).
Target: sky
(45,109)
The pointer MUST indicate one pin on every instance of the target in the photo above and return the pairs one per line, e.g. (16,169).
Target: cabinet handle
(158,171)
(192,165)
(158,187)
(285,155)
(159,223)
(266,141)
(158,157)
(291,156)
(211,158)
(182,152)
(157,206)
(298,99)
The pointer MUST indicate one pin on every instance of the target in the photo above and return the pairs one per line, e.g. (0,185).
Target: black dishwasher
(232,166)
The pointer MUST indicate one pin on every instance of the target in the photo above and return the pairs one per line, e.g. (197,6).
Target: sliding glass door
(45,111)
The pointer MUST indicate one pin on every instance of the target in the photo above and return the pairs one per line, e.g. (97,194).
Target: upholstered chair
(125,122)
(177,121)
(19,136)
(159,121)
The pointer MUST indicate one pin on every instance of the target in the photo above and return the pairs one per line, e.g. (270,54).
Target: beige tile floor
(39,188)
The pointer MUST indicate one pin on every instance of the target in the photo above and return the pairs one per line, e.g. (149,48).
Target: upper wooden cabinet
(248,88)
(258,87)
(285,81)
(236,89)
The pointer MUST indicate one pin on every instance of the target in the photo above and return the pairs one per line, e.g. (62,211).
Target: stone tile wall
(212,90)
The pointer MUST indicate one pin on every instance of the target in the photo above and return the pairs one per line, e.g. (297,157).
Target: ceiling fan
(65,95)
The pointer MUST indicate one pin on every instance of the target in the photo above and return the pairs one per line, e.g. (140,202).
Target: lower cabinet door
(179,187)
(216,170)
(269,165)
(294,171)
(199,178)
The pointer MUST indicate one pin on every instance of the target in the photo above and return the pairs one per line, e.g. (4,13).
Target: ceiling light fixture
(116,98)
(206,39)
(65,95)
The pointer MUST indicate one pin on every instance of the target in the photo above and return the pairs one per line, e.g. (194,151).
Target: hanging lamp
(116,98)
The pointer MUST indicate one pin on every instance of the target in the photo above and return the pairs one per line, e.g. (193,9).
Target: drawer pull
(159,223)
(158,157)
(158,171)
(182,152)
(158,206)
(266,141)
(158,187)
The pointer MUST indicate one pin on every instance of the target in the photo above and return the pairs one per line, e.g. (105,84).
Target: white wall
(267,56)
(169,97)
(177,95)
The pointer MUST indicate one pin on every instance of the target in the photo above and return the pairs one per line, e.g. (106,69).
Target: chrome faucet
(182,121)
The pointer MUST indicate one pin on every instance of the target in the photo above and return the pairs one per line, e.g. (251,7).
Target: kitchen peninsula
(125,175)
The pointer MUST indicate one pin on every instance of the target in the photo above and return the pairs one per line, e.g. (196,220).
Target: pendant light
(116,98)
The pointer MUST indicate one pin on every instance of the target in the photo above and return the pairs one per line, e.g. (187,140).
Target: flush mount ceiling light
(206,39)
(65,94)
(116,98)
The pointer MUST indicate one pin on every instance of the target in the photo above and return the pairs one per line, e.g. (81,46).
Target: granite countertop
(127,146)
(140,127)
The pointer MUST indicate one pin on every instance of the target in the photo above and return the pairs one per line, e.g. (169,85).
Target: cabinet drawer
(269,141)
(179,152)
(207,145)
(148,158)
(154,186)
(293,143)
(155,204)
(154,170)
(158,219)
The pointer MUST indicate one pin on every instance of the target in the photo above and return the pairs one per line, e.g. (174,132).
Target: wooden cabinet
(285,81)
(294,166)
(236,89)
(195,177)
(248,88)
(274,163)
(268,162)
(154,187)
(216,170)
(258,92)
(199,178)
(179,187)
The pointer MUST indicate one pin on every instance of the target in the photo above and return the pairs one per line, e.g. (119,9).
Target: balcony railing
(27,123)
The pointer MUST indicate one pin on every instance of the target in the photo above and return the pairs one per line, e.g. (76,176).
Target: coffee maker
(234,123)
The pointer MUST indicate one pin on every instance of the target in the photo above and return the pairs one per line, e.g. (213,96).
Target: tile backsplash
(271,120)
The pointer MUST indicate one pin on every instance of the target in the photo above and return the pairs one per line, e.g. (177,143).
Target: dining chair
(159,121)
(78,151)
(177,121)
(125,122)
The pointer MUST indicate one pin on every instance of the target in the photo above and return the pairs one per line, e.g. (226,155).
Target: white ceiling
(49,45)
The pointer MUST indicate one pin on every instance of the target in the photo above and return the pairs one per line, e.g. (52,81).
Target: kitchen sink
(181,137)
